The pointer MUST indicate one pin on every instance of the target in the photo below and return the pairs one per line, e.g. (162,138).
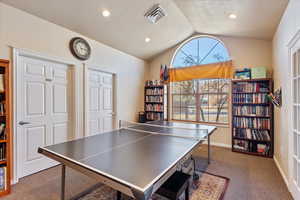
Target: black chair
(174,187)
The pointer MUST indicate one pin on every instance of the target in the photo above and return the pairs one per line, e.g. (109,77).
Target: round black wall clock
(80,48)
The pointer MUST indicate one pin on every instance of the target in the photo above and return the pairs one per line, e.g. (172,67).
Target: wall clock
(80,48)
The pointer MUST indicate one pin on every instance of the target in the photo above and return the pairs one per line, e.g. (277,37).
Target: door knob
(23,123)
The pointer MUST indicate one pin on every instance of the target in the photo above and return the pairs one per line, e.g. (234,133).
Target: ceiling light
(105,13)
(147,39)
(232,16)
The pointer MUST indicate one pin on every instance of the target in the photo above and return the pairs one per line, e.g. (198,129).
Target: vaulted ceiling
(127,28)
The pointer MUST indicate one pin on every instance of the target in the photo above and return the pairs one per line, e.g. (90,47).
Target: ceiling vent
(155,14)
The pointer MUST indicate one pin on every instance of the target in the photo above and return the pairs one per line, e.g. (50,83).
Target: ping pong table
(135,159)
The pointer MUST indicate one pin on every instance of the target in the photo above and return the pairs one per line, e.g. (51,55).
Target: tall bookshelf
(252,117)
(154,101)
(5,127)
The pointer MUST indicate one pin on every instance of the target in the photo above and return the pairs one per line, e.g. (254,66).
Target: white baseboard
(282,173)
(219,144)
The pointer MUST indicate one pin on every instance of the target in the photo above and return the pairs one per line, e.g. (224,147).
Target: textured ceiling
(255,18)
(127,28)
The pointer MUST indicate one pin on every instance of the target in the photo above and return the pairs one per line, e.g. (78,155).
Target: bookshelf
(5,125)
(252,117)
(154,100)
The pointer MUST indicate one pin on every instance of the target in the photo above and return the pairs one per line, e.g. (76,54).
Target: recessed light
(105,13)
(232,16)
(147,39)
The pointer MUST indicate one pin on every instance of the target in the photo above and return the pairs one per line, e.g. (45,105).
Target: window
(200,100)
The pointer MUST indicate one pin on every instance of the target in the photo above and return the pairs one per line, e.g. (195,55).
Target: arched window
(199,51)
(200,100)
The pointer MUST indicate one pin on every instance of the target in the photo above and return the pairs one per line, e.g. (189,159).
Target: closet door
(101,116)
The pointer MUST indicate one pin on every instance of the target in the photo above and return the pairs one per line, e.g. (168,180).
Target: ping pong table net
(182,130)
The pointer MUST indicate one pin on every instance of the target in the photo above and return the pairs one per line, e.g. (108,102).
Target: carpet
(208,187)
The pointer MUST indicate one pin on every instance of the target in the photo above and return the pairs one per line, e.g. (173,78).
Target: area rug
(208,187)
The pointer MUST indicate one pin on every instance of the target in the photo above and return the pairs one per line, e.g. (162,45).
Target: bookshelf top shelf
(154,86)
(252,80)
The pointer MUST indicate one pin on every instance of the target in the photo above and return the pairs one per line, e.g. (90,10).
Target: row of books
(154,107)
(3,181)
(256,123)
(263,149)
(2,109)
(155,91)
(250,98)
(154,83)
(251,110)
(157,99)
(262,135)
(2,151)
(155,116)
(2,132)
(250,87)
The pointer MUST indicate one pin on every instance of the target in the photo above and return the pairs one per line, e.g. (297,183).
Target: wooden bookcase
(5,118)
(154,102)
(252,117)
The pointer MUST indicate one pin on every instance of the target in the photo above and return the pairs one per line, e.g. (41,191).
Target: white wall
(22,30)
(288,27)
(245,52)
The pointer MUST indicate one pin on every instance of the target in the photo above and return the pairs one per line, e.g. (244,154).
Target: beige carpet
(208,187)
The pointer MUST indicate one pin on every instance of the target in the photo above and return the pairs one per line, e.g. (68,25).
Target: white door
(101,116)
(43,111)
(295,182)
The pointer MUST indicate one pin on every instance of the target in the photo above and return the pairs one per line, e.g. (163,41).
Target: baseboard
(282,173)
(219,144)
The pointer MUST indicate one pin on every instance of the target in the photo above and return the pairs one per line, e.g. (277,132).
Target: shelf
(154,111)
(262,129)
(250,92)
(3,141)
(155,102)
(154,86)
(251,153)
(252,80)
(251,140)
(252,116)
(263,104)
(154,95)
(3,162)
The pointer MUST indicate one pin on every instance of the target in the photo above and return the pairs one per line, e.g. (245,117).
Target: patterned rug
(208,187)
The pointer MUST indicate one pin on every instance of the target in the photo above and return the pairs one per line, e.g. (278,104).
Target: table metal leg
(119,195)
(208,150)
(63,182)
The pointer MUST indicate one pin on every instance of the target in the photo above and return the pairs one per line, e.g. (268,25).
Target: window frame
(170,95)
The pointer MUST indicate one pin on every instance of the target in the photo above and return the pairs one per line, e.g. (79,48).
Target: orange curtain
(216,70)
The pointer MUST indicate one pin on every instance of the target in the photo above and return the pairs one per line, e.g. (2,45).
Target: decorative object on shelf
(252,117)
(1,83)
(243,74)
(5,134)
(80,48)
(276,98)
(258,72)
(154,100)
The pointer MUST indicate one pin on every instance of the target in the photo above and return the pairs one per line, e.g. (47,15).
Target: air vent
(155,14)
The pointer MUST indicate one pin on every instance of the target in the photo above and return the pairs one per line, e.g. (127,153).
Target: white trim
(219,144)
(86,68)
(282,173)
(28,53)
